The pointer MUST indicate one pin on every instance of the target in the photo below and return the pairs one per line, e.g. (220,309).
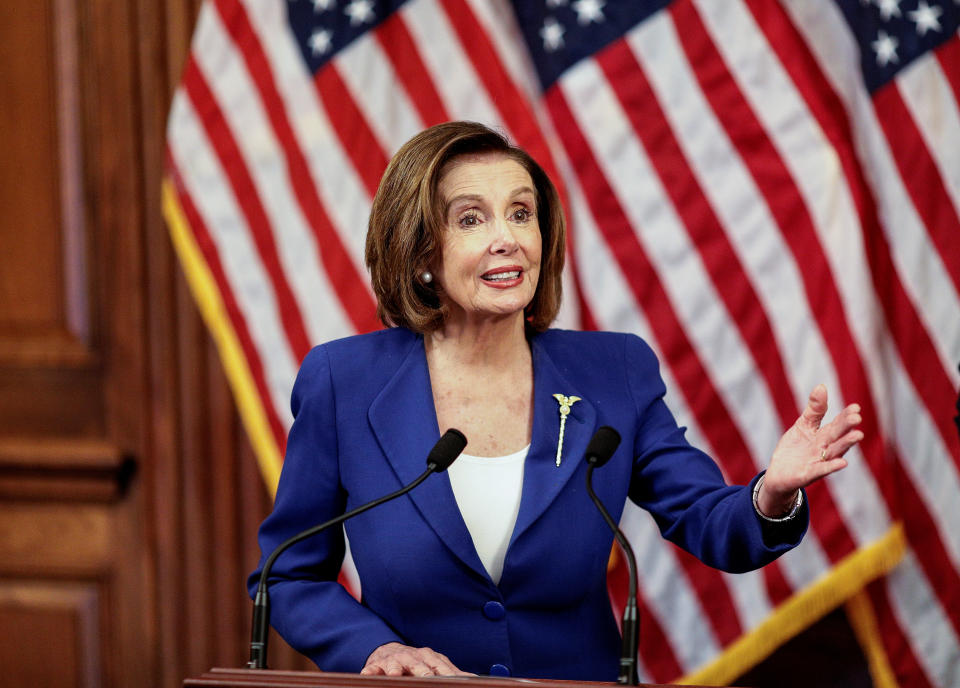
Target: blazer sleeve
(684,489)
(314,613)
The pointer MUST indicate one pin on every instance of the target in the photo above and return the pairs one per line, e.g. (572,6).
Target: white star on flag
(323,5)
(360,12)
(553,4)
(320,41)
(926,17)
(589,11)
(552,34)
(889,8)
(886,48)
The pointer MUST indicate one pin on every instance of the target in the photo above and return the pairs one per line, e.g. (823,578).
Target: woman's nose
(503,241)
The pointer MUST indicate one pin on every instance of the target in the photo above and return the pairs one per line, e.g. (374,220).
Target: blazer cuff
(786,533)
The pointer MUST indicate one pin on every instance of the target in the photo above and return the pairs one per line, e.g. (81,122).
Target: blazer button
(494,611)
(499,670)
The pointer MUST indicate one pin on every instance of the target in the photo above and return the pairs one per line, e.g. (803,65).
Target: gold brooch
(565,404)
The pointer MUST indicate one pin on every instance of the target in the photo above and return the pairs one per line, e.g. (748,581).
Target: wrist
(772,508)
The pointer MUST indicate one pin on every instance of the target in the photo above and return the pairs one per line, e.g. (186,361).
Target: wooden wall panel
(48,358)
(67,618)
(31,285)
(44,314)
(70,587)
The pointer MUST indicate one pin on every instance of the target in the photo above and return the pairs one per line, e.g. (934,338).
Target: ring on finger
(823,454)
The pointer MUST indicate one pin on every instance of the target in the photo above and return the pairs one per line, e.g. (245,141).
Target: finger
(372,670)
(820,469)
(421,662)
(392,667)
(440,663)
(825,468)
(844,444)
(816,407)
(421,669)
(845,421)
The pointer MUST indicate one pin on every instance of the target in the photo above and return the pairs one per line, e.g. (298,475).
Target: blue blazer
(364,422)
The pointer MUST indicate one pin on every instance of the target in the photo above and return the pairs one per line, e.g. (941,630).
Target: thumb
(816,407)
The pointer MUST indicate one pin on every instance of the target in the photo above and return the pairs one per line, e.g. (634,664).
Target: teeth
(502,276)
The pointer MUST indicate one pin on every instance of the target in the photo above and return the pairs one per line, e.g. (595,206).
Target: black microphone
(444,452)
(602,445)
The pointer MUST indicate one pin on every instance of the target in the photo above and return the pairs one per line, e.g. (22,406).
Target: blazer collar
(542,478)
(404,421)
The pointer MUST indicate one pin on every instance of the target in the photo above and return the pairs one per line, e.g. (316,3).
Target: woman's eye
(469,220)
(521,215)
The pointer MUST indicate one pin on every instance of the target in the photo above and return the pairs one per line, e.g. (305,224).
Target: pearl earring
(426,276)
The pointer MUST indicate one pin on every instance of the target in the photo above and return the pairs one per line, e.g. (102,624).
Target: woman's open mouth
(507,276)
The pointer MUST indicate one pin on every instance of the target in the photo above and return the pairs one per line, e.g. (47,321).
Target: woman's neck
(482,383)
(492,342)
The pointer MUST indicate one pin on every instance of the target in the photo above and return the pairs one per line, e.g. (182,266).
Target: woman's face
(490,260)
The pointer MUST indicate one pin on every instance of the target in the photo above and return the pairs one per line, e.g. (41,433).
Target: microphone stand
(597,455)
(439,460)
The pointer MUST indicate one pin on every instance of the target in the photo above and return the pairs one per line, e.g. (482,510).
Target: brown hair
(404,234)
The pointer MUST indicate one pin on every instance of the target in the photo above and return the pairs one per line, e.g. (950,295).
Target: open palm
(808,451)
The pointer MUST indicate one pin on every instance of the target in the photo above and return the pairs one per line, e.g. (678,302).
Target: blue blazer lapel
(542,478)
(404,421)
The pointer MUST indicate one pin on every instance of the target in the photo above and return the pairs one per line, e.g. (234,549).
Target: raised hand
(808,452)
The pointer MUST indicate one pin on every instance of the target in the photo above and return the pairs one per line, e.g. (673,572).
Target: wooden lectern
(266,678)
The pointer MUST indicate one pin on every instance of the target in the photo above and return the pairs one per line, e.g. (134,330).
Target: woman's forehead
(478,172)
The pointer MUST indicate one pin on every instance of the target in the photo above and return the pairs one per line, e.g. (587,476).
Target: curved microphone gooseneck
(444,452)
(602,445)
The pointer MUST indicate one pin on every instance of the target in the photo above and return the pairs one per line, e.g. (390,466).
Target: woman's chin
(506,310)
(492,315)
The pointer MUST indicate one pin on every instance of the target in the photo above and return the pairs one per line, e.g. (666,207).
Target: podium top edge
(271,678)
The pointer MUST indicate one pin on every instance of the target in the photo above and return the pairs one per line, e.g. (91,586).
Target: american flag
(765,191)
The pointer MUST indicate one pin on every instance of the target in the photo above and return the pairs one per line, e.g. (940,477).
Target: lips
(506,274)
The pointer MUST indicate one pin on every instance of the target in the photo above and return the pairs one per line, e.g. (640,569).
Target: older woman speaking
(499,565)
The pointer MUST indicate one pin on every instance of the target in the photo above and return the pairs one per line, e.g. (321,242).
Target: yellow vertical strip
(864,624)
(206,294)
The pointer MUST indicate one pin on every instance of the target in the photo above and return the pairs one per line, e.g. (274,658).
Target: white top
(487,490)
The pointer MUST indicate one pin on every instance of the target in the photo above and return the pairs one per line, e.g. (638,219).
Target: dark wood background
(129,496)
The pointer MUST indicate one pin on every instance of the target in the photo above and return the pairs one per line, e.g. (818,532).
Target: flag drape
(767,192)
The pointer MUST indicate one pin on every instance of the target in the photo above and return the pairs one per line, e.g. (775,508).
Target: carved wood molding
(81,470)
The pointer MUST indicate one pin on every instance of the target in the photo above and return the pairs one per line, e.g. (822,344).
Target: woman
(465,248)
